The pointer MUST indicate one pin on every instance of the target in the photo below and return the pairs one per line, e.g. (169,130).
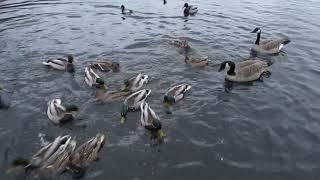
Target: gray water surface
(265,130)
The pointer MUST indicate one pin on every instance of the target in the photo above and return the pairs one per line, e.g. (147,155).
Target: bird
(136,83)
(245,71)
(125,11)
(133,102)
(189,10)
(180,43)
(50,160)
(197,62)
(270,46)
(150,120)
(93,79)
(175,93)
(106,95)
(58,113)
(106,66)
(61,63)
(86,153)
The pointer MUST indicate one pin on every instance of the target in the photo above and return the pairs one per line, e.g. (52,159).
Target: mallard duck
(136,83)
(245,71)
(58,113)
(93,79)
(175,94)
(180,43)
(133,102)
(106,66)
(197,62)
(125,11)
(61,63)
(49,160)
(150,120)
(85,154)
(270,46)
(189,10)
(105,95)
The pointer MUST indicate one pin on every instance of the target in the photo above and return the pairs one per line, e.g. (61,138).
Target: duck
(189,10)
(86,153)
(125,11)
(150,120)
(61,63)
(175,94)
(197,62)
(180,43)
(58,113)
(133,102)
(245,71)
(136,83)
(106,95)
(93,79)
(106,66)
(50,160)
(268,47)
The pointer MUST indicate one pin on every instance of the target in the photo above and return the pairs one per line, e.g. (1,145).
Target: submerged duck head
(168,100)
(228,65)
(70,58)
(157,127)
(100,84)
(123,113)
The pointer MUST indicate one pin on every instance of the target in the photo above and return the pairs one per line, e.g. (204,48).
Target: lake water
(265,130)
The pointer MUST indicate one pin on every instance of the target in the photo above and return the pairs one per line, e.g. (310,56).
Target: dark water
(267,130)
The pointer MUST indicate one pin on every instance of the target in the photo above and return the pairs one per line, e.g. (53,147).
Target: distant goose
(245,71)
(189,10)
(197,62)
(270,46)
(61,63)
(125,11)
(58,113)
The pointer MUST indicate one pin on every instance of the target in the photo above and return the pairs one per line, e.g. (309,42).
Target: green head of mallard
(17,163)
(168,100)
(100,84)
(156,127)
(124,110)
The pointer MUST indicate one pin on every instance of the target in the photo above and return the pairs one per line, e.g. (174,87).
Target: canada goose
(270,46)
(61,63)
(189,10)
(125,11)
(245,71)
(197,62)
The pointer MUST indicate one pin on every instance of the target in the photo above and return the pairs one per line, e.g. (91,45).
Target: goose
(150,120)
(245,71)
(136,83)
(133,102)
(106,66)
(175,94)
(197,62)
(58,113)
(189,10)
(61,63)
(125,11)
(93,79)
(86,153)
(270,46)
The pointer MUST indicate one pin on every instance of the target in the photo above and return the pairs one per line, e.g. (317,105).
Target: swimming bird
(189,10)
(106,95)
(183,43)
(197,62)
(93,79)
(82,157)
(50,160)
(270,46)
(136,83)
(176,93)
(150,120)
(245,71)
(133,102)
(58,113)
(106,66)
(125,11)
(61,63)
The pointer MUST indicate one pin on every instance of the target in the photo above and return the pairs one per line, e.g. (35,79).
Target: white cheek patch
(259,31)
(227,66)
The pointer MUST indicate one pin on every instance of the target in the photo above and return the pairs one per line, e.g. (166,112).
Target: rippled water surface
(265,130)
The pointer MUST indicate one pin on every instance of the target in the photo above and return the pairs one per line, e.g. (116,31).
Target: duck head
(100,84)
(115,67)
(123,113)
(168,100)
(157,127)
(70,58)
(228,65)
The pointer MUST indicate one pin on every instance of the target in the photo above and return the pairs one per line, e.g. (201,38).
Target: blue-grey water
(265,130)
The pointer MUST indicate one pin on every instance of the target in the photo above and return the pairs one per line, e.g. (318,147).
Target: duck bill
(161,133)
(122,120)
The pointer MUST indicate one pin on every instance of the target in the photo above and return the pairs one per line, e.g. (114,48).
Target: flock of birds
(63,155)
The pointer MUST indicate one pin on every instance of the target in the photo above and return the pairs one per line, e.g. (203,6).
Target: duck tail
(45,63)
